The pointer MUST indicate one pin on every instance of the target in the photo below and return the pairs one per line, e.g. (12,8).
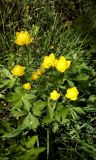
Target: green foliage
(26,116)
(38,106)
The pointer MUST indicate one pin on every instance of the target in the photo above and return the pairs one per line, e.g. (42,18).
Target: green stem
(28,55)
(37,142)
(54,106)
(47,143)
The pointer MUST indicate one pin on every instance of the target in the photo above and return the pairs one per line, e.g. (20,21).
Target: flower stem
(54,106)
(37,142)
(47,143)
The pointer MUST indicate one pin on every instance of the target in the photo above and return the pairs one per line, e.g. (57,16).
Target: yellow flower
(72,93)
(68,64)
(22,38)
(46,62)
(18,70)
(61,64)
(54,95)
(53,60)
(49,61)
(27,86)
(40,71)
(35,76)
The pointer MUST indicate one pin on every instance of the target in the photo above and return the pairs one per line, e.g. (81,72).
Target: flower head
(54,95)
(35,76)
(22,38)
(27,86)
(18,70)
(49,61)
(72,93)
(40,71)
(61,64)
(68,63)
(53,60)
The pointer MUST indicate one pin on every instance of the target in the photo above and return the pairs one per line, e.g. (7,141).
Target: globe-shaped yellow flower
(49,61)
(53,60)
(35,76)
(61,64)
(27,86)
(40,71)
(18,70)
(54,95)
(23,38)
(72,93)
(68,63)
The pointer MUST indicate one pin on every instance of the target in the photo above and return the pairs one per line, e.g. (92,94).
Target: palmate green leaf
(31,142)
(31,154)
(92,98)
(61,113)
(61,116)
(15,99)
(82,77)
(29,96)
(46,120)
(55,127)
(78,66)
(30,122)
(17,112)
(26,101)
(78,110)
(27,104)
(4,83)
(64,114)
(5,127)
(19,90)
(14,133)
(7,73)
(24,156)
(16,96)
(17,103)
(16,148)
(36,151)
(70,83)
(2,96)
(58,117)
(38,106)
(84,65)
(20,98)
(11,83)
